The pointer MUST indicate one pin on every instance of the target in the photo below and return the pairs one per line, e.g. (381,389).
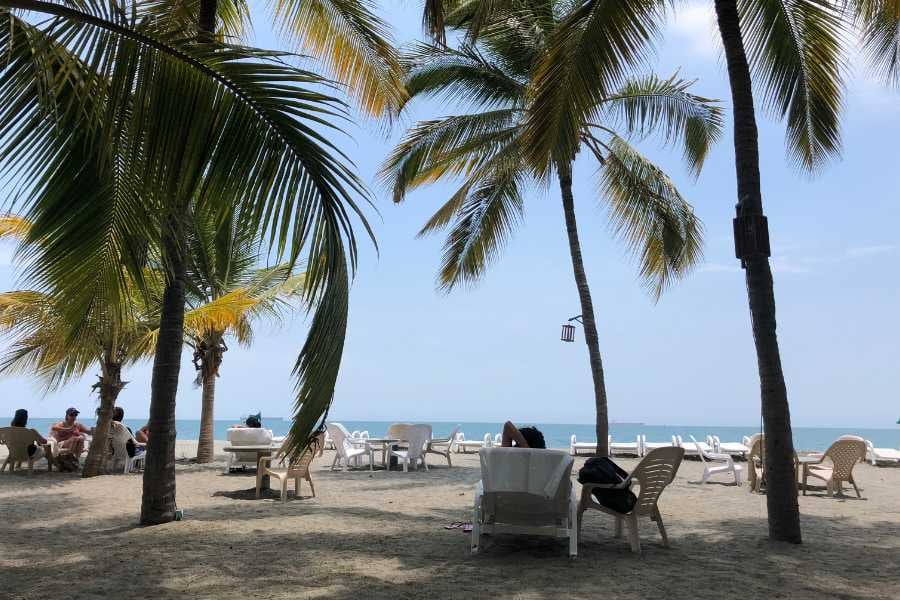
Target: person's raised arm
(512,434)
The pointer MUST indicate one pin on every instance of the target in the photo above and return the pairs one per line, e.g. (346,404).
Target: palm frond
(355,44)
(588,56)
(483,223)
(878,22)
(650,216)
(451,146)
(460,75)
(650,104)
(222,128)
(795,47)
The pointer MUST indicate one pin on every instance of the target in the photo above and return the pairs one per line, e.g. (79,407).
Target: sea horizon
(557,435)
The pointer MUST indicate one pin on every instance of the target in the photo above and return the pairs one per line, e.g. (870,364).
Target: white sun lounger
(694,450)
(634,448)
(882,456)
(648,446)
(463,445)
(525,491)
(584,447)
(730,448)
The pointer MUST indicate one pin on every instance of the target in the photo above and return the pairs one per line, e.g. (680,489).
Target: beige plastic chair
(525,491)
(655,471)
(294,469)
(442,446)
(842,456)
(17,440)
(756,468)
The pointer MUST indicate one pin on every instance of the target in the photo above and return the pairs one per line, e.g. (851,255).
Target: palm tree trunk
(205,446)
(158,501)
(206,19)
(109,386)
(781,478)
(587,312)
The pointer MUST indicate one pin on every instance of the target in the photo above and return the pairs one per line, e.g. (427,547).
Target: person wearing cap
(70,434)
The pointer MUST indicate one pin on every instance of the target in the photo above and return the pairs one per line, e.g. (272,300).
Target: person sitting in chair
(71,434)
(526,437)
(20,419)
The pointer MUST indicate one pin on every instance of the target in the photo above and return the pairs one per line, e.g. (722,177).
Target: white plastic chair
(345,451)
(119,437)
(436,445)
(525,491)
(713,464)
(417,436)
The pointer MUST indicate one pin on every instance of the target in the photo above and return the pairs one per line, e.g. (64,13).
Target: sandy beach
(381,535)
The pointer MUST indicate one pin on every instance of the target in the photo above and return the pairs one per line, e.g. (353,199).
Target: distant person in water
(526,437)
(20,419)
(71,434)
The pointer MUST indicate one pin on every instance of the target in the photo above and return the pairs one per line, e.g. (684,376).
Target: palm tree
(795,48)
(488,150)
(42,345)
(226,293)
(155,123)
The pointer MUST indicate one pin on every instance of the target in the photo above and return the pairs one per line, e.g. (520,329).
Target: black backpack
(601,469)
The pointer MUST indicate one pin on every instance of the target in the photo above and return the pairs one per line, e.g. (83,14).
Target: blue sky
(493,352)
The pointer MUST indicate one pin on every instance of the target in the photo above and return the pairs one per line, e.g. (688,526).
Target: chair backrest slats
(653,474)
(844,454)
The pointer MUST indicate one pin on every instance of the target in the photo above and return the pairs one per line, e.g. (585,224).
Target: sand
(382,535)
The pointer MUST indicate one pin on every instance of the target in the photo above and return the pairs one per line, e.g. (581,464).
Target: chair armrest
(590,487)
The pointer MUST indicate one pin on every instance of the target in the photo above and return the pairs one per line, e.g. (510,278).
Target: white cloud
(694,24)
(864,251)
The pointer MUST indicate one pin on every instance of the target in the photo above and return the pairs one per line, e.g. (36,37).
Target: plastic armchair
(436,445)
(347,450)
(841,457)
(295,469)
(417,436)
(655,471)
(715,463)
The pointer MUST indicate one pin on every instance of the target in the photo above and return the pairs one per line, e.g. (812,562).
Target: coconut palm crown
(484,148)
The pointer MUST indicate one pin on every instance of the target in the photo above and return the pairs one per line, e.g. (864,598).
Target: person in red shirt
(71,434)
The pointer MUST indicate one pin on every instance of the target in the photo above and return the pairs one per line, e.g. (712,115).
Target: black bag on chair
(601,469)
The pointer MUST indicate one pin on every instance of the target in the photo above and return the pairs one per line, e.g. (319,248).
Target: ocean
(556,435)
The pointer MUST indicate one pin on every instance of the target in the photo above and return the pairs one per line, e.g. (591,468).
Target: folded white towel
(529,470)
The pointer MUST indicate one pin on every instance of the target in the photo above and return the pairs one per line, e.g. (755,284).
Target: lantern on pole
(568,330)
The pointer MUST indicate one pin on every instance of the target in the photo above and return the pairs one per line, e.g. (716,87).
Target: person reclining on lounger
(526,437)
(71,434)
(21,420)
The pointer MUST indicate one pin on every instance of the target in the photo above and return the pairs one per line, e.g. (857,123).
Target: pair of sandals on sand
(466,526)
